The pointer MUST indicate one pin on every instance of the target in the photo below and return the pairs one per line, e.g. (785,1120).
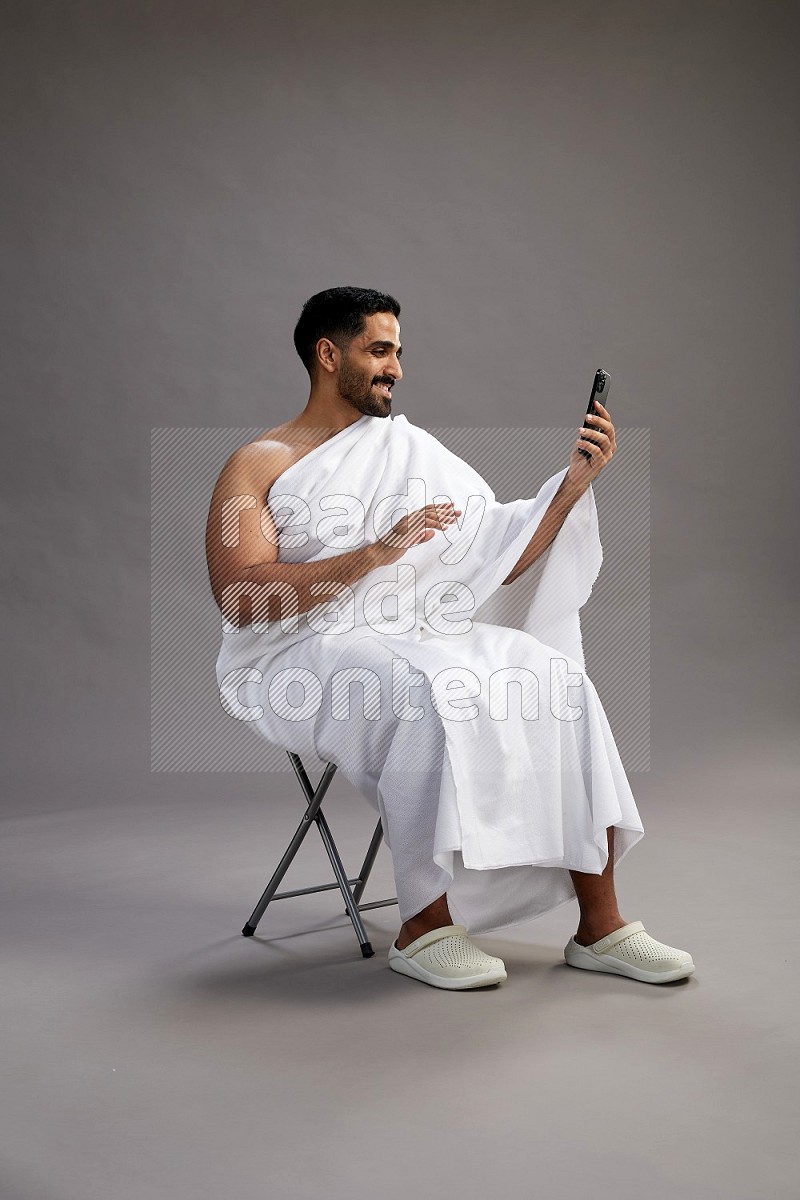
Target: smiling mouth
(382,387)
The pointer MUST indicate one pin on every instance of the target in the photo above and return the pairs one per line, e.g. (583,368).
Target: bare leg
(596,897)
(597,900)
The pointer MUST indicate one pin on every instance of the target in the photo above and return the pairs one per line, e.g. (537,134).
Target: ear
(327,354)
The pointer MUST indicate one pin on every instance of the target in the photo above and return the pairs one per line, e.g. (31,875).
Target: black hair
(337,313)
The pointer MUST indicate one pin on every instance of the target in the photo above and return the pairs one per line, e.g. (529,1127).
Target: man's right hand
(415,528)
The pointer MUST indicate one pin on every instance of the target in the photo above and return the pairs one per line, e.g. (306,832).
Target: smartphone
(600,388)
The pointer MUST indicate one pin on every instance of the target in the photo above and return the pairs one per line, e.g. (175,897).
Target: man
(524,804)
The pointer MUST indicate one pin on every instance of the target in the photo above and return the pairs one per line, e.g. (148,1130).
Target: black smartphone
(600,388)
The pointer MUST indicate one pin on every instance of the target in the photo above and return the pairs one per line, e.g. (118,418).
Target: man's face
(370,366)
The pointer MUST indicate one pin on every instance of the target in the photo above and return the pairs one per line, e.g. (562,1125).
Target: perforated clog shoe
(631,951)
(446,958)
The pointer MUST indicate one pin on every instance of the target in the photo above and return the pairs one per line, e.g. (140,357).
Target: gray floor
(151,1051)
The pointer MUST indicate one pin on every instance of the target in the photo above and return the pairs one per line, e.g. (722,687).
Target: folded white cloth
(491,801)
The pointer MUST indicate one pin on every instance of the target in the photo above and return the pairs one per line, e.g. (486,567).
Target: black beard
(359,392)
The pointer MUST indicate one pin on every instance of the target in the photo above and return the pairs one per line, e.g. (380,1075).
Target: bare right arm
(242,544)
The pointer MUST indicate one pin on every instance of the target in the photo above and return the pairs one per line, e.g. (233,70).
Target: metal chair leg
(314,801)
(313,813)
(366,866)
(341,877)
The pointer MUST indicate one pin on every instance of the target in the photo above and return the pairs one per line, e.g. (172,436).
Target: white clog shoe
(446,958)
(631,951)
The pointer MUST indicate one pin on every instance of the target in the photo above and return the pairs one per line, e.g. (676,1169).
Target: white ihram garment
(489,804)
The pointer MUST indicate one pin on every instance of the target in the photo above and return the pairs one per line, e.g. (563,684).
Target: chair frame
(314,815)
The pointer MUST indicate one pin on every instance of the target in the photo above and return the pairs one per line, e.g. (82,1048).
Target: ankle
(417,926)
(409,934)
(593,930)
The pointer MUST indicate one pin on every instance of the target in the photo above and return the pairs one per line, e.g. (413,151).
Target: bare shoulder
(256,465)
(253,468)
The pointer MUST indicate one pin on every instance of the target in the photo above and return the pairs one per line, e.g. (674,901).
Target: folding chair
(314,814)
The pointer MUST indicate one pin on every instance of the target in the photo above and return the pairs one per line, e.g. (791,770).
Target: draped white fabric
(478,738)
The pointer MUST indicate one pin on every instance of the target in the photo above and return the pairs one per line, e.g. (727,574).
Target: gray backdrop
(547,188)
